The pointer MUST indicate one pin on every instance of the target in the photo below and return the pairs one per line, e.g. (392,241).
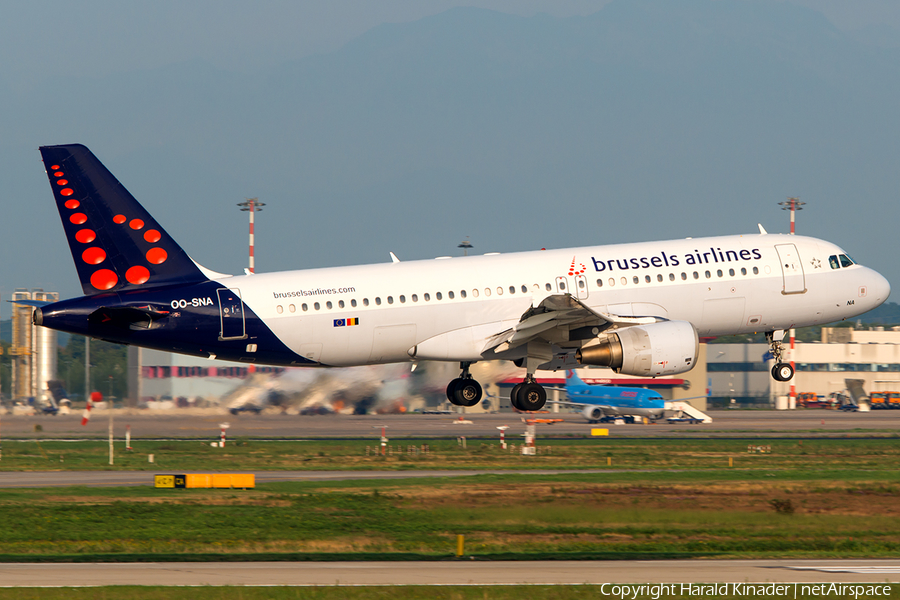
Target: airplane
(637,308)
(597,402)
(606,402)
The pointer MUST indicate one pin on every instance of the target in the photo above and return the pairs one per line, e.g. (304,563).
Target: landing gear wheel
(532,396)
(783,372)
(468,392)
(464,392)
(451,391)
(514,396)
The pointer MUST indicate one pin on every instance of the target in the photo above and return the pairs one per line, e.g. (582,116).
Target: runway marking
(863,569)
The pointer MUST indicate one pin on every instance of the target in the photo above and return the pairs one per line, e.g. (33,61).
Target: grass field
(660,499)
(877,456)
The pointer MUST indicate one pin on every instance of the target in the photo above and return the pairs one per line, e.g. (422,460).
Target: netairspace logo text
(750,590)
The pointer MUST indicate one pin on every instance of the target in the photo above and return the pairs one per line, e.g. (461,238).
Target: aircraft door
(231,314)
(562,286)
(581,287)
(791,269)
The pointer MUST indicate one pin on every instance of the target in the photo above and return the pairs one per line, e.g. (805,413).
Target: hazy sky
(43,42)
(41,38)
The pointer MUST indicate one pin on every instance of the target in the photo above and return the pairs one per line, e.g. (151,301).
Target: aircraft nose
(879,287)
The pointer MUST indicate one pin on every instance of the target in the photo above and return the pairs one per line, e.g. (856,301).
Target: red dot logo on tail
(104,279)
(137,275)
(93,255)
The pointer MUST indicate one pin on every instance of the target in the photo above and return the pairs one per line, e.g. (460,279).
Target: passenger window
(402,299)
(581,284)
(377,301)
(328,305)
(756,270)
(415,298)
(278,309)
(562,286)
(548,287)
(635,279)
(659,277)
(512,289)
(450,295)
(708,274)
(647,278)
(696,275)
(683,276)
(462,293)
(304,307)
(743,271)
(612,281)
(365,301)
(499,291)
(487,292)
(353,303)
(599,283)
(438,296)
(340,304)
(427,296)
(671,276)
(316,306)
(624,281)
(731,272)
(524,289)
(719,273)
(390,299)
(292,308)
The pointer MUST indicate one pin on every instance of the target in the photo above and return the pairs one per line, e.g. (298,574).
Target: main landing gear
(782,371)
(528,395)
(464,391)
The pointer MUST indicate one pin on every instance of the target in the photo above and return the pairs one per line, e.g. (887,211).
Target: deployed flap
(558,311)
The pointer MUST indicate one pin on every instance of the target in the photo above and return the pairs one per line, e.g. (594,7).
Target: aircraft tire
(532,397)
(514,396)
(451,391)
(468,392)
(783,372)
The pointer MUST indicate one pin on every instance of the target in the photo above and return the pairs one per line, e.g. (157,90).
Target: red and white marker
(86,415)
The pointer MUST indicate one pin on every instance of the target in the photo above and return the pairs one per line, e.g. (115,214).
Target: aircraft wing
(556,315)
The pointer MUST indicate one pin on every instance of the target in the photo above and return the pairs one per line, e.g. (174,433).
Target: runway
(444,573)
(187,424)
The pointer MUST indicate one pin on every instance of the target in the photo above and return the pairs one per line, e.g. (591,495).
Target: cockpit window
(846,261)
(833,262)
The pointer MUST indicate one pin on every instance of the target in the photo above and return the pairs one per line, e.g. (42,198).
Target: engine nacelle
(592,413)
(665,348)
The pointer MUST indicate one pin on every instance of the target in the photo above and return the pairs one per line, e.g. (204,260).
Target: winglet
(762,230)
(394,258)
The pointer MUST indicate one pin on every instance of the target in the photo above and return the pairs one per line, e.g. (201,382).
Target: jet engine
(592,413)
(664,348)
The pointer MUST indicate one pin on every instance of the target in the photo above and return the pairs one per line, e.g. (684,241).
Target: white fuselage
(447,309)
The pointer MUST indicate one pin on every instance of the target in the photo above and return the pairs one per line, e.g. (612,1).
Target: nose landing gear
(782,371)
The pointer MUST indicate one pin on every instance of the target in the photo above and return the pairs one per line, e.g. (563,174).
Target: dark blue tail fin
(115,242)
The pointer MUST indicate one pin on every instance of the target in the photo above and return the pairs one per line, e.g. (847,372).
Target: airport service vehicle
(636,308)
